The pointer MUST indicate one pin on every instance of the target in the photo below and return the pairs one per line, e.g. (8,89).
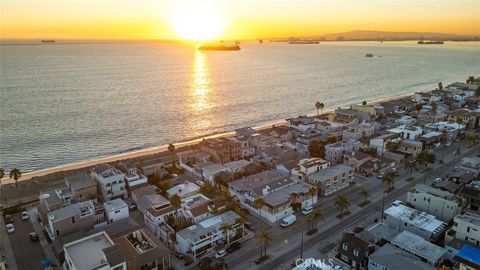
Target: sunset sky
(229,19)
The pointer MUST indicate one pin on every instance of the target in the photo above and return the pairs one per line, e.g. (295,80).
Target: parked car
(221,253)
(455,169)
(437,180)
(261,259)
(233,247)
(249,226)
(25,215)
(307,210)
(380,175)
(200,183)
(358,229)
(33,236)
(288,221)
(10,228)
(8,219)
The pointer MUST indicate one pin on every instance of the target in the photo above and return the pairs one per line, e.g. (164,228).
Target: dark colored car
(261,259)
(8,219)
(233,247)
(33,236)
(249,226)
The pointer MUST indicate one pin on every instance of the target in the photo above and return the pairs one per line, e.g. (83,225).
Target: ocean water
(68,103)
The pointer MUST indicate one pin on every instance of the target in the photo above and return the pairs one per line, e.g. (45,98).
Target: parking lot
(28,254)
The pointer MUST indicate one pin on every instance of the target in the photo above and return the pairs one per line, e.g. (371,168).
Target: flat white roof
(417,245)
(412,216)
(86,253)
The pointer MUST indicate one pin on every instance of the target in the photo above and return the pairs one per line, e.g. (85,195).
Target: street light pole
(301,248)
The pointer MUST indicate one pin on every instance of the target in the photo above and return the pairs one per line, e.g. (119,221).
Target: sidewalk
(5,248)
(47,248)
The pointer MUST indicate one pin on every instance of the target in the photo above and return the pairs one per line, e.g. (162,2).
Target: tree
(312,192)
(418,107)
(425,158)
(316,148)
(364,103)
(392,146)
(310,221)
(241,220)
(2,174)
(317,106)
(164,186)
(472,138)
(477,92)
(365,193)
(176,202)
(342,204)
(318,214)
(440,86)
(259,203)
(389,178)
(331,139)
(16,174)
(171,147)
(208,190)
(433,111)
(409,166)
(225,227)
(265,237)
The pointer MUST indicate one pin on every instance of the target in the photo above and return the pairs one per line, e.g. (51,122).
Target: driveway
(28,254)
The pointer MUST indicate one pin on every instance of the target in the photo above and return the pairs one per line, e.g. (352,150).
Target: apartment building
(222,149)
(442,204)
(111,181)
(331,180)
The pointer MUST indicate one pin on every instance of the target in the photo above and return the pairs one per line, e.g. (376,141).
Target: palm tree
(364,103)
(318,214)
(259,203)
(241,220)
(418,107)
(365,193)
(310,221)
(321,106)
(389,178)
(265,237)
(409,166)
(433,111)
(16,174)
(312,192)
(225,227)
(171,147)
(2,174)
(342,204)
(440,86)
(176,202)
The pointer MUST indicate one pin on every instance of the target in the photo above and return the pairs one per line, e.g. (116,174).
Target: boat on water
(221,47)
(369,55)
(48,41)
(421,41)
(303,42)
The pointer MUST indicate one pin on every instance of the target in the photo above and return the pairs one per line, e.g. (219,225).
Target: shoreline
(161,148)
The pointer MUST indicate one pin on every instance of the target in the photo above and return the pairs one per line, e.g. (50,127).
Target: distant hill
(383,35)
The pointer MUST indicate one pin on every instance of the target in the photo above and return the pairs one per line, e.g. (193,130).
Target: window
(73,220)
(345,246)
(118,211)
(355,252)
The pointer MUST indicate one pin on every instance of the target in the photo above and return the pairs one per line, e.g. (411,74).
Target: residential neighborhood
(393,184)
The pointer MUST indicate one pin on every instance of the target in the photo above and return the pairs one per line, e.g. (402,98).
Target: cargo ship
(221,47)
(303,42)
(48,41)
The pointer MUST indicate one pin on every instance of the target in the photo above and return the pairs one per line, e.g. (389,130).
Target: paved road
(286,244)
(28,254)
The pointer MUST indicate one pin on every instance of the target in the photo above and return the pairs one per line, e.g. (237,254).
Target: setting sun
(198,21)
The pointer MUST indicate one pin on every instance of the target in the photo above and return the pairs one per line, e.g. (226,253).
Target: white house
(406,120)
(439,203)
(466,227)
(96,251)
(184,190)
(201,240)
(407,132)
(134,179)
(110,180)
(301,123)
(116,210)
(211,170)
(309,166)
(380,142)
(334,152)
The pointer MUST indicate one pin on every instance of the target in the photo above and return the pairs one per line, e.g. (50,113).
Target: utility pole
(301,248)
(383,206)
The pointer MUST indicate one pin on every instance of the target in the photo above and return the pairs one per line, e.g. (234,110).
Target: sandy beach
(157,149)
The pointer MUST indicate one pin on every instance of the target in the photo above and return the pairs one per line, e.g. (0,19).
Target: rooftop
(106,170)
(83,209)
(86,253)
(182,189)
(259,181)
(378,232)
(419,219)
(282,196)
(469,217)
(208,226)
(312,162)
(79,181)
(417,245)
(115,205)
(421,188)
(237,165)
(328,173)
(395,259)
(469,255)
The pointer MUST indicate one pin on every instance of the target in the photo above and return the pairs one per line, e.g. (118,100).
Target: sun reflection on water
(201,92)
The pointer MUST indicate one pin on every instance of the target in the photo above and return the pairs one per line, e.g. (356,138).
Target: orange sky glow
(229,19)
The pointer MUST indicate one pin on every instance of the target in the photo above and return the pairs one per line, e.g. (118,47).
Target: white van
(307,209)
(288,221)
